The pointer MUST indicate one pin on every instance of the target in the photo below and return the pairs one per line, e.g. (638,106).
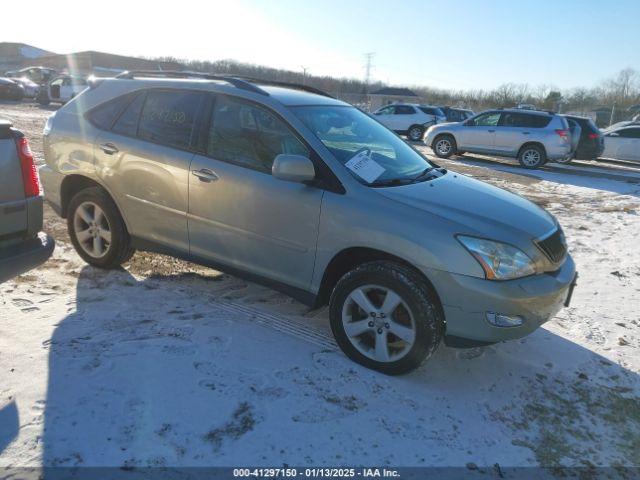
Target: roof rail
(236,82)
(239,81)
(275,83)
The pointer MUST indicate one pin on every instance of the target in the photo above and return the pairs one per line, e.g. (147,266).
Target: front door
(241,216)
(478,134)
(386,116)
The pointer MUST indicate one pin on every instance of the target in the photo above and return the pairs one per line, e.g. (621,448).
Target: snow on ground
(166,363)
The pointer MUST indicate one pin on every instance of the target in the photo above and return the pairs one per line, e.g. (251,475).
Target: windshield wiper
(426,174)
(390,183)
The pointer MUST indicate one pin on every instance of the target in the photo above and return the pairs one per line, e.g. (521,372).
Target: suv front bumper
(467,300)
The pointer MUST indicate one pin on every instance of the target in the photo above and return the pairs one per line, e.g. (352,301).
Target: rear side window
(127,124)
(525,120)
(168,117)
(404,110)
(249,136)
(104,115)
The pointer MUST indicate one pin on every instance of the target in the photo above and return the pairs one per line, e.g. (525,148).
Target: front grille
(554,245)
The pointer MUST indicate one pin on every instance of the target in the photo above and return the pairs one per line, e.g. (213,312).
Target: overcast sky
(464,44)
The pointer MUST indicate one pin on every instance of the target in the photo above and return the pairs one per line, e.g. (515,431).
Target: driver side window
(490,119)
(249,136)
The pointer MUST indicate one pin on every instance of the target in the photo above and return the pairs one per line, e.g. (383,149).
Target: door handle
(205,175)
(491,131)
(526,133)
(109,148)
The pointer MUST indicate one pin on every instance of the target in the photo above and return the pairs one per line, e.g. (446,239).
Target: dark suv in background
(591,142)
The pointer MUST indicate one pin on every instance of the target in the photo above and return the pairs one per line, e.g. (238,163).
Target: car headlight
(499,261)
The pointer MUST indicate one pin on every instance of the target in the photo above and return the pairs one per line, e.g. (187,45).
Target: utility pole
(367,76)
(304,74)
(613,111)
(367,67)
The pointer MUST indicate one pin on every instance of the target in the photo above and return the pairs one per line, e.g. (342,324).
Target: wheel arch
(443,134)
(73,183)
(531,144)
(350,258)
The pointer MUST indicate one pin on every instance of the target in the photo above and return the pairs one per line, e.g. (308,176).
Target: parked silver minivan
(287,186)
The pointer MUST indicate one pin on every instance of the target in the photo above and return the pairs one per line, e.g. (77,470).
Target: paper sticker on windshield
(365,167)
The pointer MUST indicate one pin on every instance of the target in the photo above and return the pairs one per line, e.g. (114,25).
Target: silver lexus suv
(531,136)
(287,186)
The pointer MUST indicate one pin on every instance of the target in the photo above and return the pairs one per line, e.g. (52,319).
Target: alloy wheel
(92,229)
(531,158)
(378,323)
(443,146)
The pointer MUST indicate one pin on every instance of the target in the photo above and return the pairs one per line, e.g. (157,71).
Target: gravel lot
(169,364)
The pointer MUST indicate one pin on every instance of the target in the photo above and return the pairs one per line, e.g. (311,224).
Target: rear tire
(415,133)
(404,326)
(97,230)
(444,146)
(532,157)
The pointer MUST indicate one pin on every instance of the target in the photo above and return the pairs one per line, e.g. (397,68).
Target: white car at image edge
(622,143)
(410,119)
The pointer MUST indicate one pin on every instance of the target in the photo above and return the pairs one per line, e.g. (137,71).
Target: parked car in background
(591,141)
(39,75)
(307,194)
(10,89)
(409,119)
(22,244)
(531,136)
(62,89)
(617,125)
(30,87)
(453,114)
(622,143)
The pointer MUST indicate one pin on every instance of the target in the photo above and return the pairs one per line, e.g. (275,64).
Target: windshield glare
(347,132)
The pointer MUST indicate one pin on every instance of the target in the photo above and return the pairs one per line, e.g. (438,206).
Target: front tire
(97,230)
(384,316)
(444,146)
(532,157)
(415,133)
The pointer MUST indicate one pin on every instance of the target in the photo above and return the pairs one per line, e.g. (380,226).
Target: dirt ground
(167,363)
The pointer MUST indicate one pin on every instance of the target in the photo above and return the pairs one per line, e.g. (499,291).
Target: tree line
(622,90)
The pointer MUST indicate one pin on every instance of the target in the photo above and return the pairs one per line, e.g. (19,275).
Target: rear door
(479,134)
(144,161)
(239,214)
(403,117)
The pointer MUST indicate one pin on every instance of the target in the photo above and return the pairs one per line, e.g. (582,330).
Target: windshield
(372,153)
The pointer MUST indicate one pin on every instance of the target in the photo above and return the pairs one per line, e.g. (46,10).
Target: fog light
(501,320)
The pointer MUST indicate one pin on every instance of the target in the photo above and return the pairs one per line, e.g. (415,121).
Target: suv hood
(478,206)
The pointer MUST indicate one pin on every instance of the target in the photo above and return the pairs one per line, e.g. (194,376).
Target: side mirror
(293,168)
(468,123)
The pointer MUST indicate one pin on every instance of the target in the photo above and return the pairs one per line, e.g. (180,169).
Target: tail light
(30,179)
(564,134)
(593,136)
